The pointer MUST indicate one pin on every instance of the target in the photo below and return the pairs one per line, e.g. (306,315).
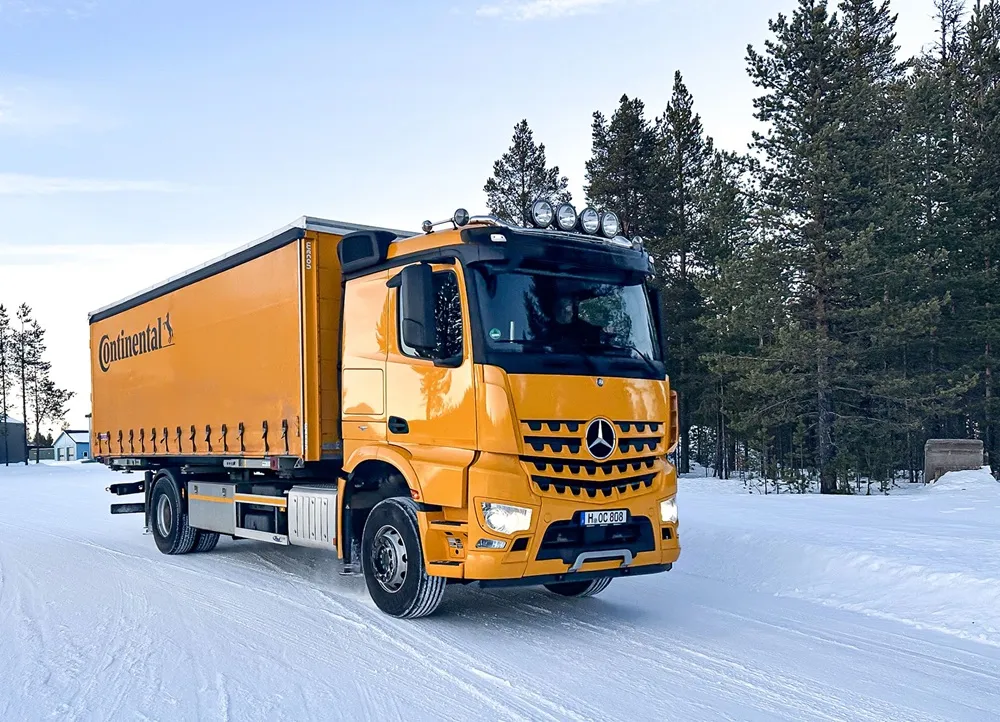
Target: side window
(448,317)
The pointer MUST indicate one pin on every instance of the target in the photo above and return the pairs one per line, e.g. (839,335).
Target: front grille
(559,463)
(566,540)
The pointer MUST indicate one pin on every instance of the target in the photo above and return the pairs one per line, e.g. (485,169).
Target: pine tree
(522,176)
(26,356)
(976,278)
(6,377)
(47,401)
(620,172)
(678,217)
(801,74)
(893,304)
(729,242)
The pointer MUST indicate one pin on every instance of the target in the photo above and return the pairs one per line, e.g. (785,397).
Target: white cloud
(543,9)
(35,107)
(22,184)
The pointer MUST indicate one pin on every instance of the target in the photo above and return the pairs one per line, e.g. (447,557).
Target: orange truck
(477,403)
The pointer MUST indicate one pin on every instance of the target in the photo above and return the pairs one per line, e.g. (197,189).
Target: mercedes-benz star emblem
(601,438)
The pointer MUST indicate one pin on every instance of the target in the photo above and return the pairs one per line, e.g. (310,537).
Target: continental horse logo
(126,345)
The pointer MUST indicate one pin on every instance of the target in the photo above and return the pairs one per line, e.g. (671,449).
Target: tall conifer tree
(522,176)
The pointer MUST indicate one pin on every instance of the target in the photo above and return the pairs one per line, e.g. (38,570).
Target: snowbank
(930,559)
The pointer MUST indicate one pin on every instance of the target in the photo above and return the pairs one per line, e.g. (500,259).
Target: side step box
(312,516)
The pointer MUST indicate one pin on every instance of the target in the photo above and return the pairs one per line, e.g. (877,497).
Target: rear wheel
(171,531)
(393,561)
(205,541)
(586,588)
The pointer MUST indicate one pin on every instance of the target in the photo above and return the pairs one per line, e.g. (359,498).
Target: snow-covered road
(753,623)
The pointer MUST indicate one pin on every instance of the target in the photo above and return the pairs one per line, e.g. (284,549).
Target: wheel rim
(164,516)
(389,559)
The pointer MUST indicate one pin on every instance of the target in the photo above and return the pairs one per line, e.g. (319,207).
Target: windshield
(528,312)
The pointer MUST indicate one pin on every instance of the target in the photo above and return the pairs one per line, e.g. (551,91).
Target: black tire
(205,541)
(586,588)
(171,531)
(393,561)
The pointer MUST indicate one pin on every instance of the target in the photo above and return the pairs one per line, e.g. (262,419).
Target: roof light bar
(565,217)
(590,220)
(541,214)
(609,224)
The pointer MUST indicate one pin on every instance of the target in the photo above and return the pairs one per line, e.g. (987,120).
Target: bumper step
(138,508)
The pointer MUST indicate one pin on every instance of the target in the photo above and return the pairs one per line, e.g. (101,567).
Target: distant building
(12,448)
(72,445)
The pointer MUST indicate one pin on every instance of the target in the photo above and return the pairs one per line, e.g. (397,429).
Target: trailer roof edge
(233,258)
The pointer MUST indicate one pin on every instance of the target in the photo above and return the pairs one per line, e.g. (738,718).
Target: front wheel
(587,588)
(393,561)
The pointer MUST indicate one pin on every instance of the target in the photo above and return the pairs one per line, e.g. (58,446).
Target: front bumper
(575,576)
(556,547)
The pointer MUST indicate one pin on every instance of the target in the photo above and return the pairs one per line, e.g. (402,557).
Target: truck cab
(526,405)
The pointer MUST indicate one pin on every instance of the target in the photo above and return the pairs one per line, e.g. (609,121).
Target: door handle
(398,425)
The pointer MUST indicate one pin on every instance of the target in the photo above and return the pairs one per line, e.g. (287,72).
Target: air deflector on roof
(363,249)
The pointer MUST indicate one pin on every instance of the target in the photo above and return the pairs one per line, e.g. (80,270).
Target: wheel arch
(373,474)
(369,458)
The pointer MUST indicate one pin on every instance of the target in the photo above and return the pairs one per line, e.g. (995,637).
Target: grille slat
(576,466)
(592,488)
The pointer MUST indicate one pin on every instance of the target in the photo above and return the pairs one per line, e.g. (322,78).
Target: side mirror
(416,308)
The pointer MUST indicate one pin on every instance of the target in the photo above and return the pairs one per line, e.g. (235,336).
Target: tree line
(829,295)
(26,385)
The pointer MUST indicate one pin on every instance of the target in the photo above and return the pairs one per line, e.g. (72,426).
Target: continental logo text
(154,337)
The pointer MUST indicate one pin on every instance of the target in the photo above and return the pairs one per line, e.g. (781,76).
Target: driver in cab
(569,329)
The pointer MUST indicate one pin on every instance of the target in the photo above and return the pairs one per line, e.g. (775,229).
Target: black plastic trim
(464,253)
(421,506)
(574,576)
(214,269)
(585,253)
(567,539)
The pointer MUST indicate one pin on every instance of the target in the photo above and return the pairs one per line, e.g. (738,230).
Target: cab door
(430,397)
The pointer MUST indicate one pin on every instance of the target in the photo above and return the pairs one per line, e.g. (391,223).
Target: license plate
(605,518)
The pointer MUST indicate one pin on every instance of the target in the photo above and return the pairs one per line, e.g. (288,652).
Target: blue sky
(142,137)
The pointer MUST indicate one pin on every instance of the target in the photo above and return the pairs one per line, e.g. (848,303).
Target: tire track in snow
(376,627)
(245,616)
(855,642)
(773,692)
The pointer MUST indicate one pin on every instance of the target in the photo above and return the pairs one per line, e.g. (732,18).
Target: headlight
(668,510)
(506,519)
(540,214)
(565,217)
(609,225)
(590,220)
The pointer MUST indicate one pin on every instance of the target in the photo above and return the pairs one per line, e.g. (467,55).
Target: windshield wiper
(643,356)
(632,350)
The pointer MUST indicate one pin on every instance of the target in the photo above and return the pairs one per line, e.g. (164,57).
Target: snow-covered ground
(781,607)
